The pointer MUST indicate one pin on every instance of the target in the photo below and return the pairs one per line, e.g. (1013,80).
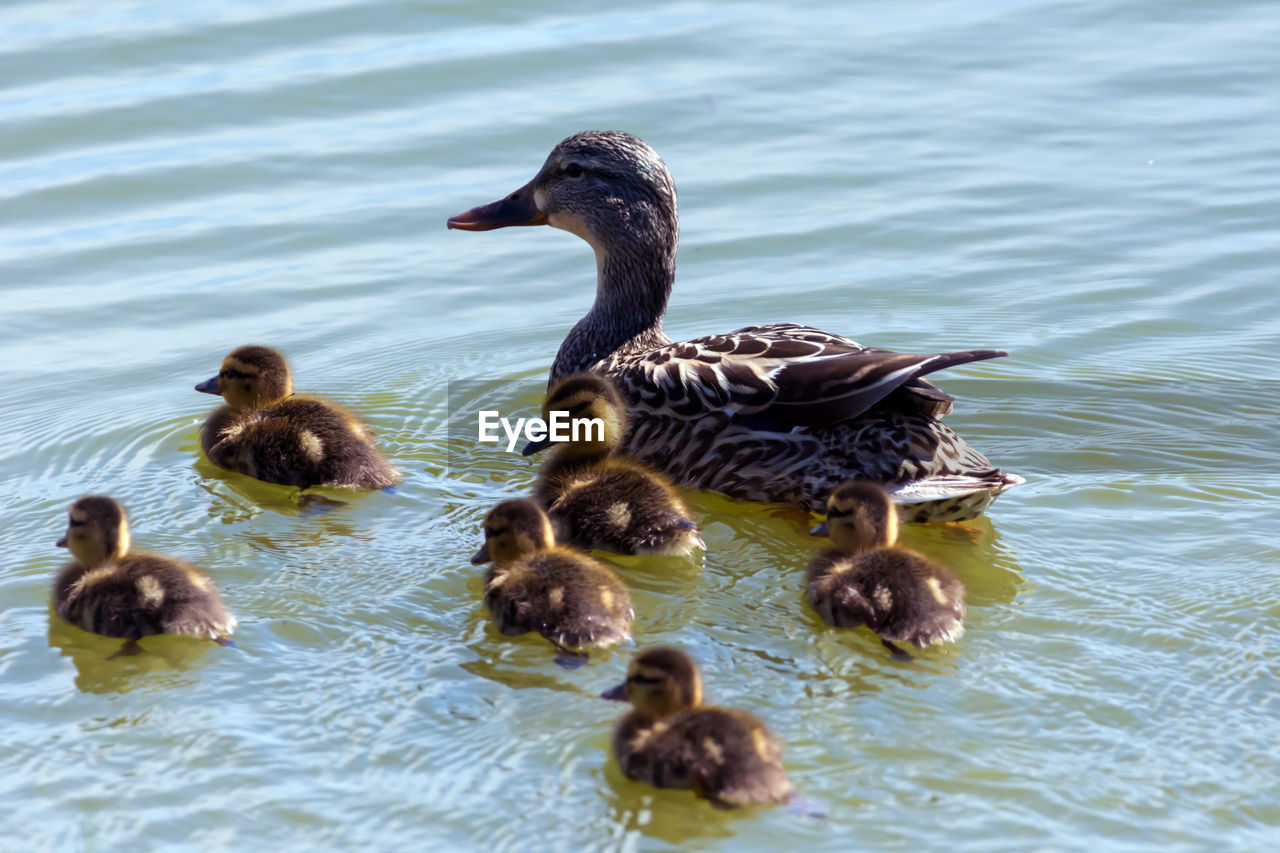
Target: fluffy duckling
(536,585)
(596,498)
(864,579)
(266,432)
(107,590)
(671,740)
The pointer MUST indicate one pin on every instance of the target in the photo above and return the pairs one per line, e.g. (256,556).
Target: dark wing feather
(788,374)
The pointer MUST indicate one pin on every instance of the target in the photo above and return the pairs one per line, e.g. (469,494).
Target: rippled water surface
(1092,186)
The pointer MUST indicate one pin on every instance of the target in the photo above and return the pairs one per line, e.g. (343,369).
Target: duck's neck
(633,283)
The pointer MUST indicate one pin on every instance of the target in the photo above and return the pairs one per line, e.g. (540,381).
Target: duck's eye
(573,170)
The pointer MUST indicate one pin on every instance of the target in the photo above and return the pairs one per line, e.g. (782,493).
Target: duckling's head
(97,531)
(597,415)
(514,529)
(606,186)
(860,516)
(660,681)
(250,377)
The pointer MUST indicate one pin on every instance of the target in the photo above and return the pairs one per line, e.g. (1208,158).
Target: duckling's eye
(232,373)
(643,679)
(573,170)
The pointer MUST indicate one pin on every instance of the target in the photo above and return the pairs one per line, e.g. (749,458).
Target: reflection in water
(676,817)
(975,551)
(164,661)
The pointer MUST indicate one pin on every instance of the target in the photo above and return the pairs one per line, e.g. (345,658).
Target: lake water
(1093,186)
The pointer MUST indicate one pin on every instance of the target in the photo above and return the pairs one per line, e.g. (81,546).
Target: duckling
(864,579)
(266,432)
(596,498)
(107,590)
(671,740)
(536,585)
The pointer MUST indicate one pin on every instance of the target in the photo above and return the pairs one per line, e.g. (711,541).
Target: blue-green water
(1092,186)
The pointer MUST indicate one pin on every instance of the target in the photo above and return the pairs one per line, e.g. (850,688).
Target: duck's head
(514,529)
(97,531)
(660,681)
(250,377)
(606,186)
(860,516)
(596,419)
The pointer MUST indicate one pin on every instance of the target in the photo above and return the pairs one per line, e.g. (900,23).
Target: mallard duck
(536,585)
(901,595)
(671,740)
(266,432)
(597,499)
(107,590)
(780,412)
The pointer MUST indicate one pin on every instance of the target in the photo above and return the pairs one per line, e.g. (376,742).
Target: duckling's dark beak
(61,543)
(482,556)
(820,529)
(518,208)
(617,694)
(209,386)
(535,447)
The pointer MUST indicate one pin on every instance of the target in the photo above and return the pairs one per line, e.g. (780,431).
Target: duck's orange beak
(516,209)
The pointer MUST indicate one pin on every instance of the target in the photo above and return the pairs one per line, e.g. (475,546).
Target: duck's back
(297,442)
(619,507)
(139,595)
(786,413)
(899,594)
(566,597)
(725,755)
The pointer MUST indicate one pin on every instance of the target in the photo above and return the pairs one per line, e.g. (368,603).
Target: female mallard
(107,590)
(535,585)
(597,499)
(865,580)
(671,740)
(266,432)
(780,412)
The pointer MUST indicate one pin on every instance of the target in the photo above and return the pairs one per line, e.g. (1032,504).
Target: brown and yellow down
(263,430)
(598,499)
(107,590)
(536,585)
(864,580)
(671,740)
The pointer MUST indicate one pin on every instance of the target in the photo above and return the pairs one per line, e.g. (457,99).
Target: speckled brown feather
(781,412)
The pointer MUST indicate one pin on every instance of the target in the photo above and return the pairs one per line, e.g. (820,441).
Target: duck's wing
(786,374)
